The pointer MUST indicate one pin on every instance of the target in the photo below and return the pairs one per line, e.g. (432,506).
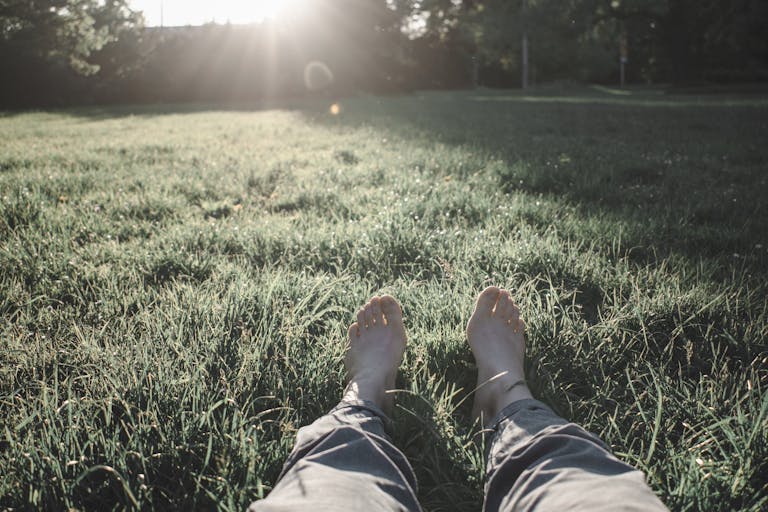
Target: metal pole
(524,79)
(623,52)
(525,60)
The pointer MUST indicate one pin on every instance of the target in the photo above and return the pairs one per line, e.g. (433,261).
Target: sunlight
(197,12)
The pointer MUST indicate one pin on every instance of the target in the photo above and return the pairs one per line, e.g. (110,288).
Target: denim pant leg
(539,461)
(344,461)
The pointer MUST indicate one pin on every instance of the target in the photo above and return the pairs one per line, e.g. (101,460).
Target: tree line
(58,52)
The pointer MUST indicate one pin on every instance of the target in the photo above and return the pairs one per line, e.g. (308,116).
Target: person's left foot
(375,351)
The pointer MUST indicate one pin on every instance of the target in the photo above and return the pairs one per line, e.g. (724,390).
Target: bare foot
(495,334)
(376,346)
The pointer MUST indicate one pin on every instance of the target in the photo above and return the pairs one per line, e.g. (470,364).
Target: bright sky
(197,12)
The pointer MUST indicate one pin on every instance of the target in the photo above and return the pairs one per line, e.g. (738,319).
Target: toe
(353,331)
(361,319)
(504,306)
(368,309)
(376,311)
(487,300)
(391,309)
(514,314)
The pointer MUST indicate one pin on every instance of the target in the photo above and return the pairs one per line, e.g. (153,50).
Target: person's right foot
(495,334)
(375,350)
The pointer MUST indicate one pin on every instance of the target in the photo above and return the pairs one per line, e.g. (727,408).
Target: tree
(441,41)
(359,40)
(65,30)
(669,40)
(47,46)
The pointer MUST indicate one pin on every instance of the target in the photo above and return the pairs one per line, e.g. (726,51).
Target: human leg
(537,460)
(345,460)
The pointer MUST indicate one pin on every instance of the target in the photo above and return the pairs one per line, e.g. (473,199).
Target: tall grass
(175,285)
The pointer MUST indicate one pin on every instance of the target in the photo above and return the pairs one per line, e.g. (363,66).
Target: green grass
(176,282)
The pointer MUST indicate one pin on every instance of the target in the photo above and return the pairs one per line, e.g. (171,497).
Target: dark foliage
(60,52)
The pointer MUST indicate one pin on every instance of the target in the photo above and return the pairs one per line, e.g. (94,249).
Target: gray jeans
(537,461)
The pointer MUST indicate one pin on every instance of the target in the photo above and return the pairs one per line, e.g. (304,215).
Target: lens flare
(317,76)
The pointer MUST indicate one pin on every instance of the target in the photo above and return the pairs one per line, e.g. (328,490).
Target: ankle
(368,387)
(500,394)
(520,392)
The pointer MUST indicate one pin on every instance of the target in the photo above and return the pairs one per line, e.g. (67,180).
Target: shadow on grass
(663,173)
(750,95)
(151,110)
(664,170)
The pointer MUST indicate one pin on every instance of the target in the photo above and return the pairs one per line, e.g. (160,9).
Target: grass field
(175,284)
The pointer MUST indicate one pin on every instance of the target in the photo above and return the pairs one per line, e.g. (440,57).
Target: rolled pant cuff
(514,408)
(368,406)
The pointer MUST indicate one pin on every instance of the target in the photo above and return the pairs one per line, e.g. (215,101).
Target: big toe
(505,306)
(487,300)
(376,310)
(392,311)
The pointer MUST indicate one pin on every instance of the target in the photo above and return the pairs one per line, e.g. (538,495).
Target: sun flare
(198,12)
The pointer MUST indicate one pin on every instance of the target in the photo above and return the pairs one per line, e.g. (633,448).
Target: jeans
(537,461)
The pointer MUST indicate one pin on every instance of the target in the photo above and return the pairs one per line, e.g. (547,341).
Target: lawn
(176,282)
